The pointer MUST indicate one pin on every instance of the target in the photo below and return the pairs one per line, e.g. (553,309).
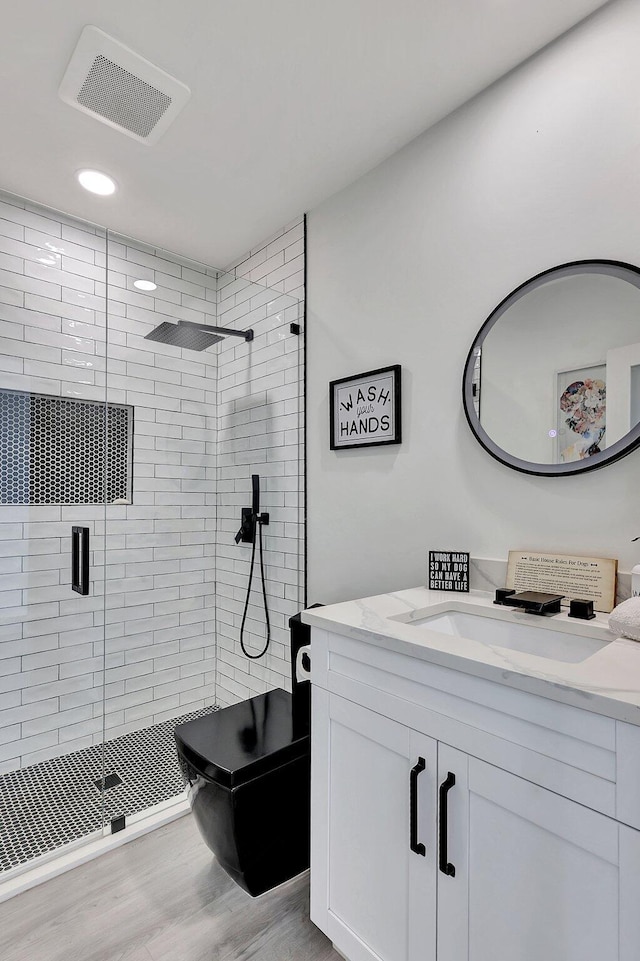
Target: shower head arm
(223,331)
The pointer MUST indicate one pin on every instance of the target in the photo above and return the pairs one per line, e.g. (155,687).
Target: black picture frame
(375,389)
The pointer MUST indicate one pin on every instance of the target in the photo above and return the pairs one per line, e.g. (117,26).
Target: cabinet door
(366,882)
(536,876)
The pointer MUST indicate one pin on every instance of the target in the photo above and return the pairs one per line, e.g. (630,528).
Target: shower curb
(55,863)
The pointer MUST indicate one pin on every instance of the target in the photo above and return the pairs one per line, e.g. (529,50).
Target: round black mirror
(552,382)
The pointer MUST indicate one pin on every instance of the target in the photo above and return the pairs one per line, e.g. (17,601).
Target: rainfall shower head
(190,336)
(180,336)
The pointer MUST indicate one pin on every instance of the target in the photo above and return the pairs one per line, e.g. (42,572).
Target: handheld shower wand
(255,498)
(252,524)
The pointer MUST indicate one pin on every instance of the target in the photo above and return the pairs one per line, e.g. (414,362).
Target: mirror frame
(622,447)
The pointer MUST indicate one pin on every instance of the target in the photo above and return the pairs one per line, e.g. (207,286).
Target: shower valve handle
(247,526)
(249,521)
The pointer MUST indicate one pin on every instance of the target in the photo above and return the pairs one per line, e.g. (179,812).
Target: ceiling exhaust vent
(113,84)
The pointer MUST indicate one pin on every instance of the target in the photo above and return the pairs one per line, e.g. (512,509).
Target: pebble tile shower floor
(50,804)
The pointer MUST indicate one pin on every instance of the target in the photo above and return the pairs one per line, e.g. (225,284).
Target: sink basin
(528,639)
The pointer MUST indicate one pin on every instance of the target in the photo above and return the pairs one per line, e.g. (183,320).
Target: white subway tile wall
(160,561)
(159,609)
(203,423)
(261,431)
(47,642)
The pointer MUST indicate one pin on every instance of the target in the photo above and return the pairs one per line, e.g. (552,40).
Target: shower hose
(255,657)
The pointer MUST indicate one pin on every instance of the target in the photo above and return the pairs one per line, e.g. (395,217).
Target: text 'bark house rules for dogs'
(365,409)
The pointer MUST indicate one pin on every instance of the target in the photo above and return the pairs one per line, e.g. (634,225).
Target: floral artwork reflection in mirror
(581,411)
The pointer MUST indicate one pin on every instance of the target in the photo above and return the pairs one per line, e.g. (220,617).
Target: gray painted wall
(404,267)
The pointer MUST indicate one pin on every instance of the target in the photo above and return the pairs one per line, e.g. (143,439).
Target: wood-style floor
(162,897)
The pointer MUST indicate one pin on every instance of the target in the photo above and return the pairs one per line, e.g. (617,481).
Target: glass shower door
(52,492)
(160,597)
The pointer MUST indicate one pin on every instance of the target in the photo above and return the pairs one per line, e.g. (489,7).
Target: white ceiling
(291,100)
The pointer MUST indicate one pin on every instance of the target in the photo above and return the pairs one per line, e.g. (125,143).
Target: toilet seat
(242,741)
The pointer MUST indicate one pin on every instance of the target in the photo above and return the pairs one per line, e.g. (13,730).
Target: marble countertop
(588,668)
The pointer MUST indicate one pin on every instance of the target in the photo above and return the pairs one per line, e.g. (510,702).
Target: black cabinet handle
(445,866)
(80,560)
(416,846)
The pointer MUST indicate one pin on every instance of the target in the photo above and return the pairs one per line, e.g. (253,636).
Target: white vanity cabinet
(366,880)
(537,876)
(516,804)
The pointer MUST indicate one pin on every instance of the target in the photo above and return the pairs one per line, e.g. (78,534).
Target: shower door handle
(80,560)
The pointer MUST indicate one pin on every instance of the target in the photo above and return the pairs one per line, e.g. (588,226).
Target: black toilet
(247,771)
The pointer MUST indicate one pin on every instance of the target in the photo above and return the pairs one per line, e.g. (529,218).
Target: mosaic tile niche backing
(54,450)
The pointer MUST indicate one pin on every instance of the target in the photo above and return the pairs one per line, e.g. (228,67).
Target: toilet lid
(240,742)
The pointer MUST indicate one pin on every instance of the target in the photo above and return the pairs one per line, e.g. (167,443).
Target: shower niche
(53,450)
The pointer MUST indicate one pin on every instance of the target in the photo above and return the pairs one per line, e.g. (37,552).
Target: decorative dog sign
(449,571)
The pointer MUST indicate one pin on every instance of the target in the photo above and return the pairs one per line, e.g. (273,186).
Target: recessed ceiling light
(144,284)
(96,182)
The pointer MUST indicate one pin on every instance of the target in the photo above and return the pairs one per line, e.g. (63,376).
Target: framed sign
(365,409)
(449,571)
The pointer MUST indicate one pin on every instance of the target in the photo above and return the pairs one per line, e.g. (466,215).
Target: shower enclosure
(124,464)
